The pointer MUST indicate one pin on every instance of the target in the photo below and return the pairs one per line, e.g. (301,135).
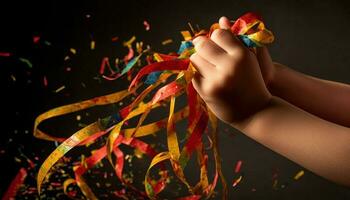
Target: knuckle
(218,34)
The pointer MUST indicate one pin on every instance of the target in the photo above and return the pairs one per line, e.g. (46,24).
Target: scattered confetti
(73,51)
(26,61)
(114,39)
(5,54)
(168,41)
(60,89)
(238,166)
(147,26)
(92,45)
(36,39)
(299,175)
(237,181)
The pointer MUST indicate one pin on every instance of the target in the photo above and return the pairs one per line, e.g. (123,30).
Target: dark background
(311,37)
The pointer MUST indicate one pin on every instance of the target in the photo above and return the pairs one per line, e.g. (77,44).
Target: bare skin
(256,96)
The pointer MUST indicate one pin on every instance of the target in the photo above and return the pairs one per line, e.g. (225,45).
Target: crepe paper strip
(5,54)
(299,175)
(15,184)
(66,183)
(97,101)
(173,145)
(160,66)
(238,166)
(237,181)
(249,27)
(217,157)
(156,159)
(63,148)
(185,45)
(26,61)
(98,155)
(192,197)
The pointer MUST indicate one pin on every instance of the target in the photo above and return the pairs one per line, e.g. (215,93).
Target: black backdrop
(311,37)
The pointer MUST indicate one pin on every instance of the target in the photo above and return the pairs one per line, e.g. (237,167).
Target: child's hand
(229,78)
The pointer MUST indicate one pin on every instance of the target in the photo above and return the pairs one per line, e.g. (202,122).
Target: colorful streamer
(161,67)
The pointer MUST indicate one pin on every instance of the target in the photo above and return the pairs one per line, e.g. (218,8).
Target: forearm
(316,144)
(326,99)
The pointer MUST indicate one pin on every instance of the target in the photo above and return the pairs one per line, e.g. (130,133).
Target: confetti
(13,78)
(92,45)
(299,175)
(45,81)
(27,62)
(5,54)
(114,39)
(238,166)
(73,51)
(249,28)
(237,181)
(147,26)
(60,89)
(36,39)
(168,41)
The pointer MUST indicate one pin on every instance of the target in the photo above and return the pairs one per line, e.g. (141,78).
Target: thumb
(224,23)
(266,64)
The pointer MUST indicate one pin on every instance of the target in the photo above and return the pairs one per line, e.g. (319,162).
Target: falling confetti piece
(5,54)
(237,181)
(45,81)
(238,166)
(73,51)
(47,43)
(186,35)
(92,45)
(60,89)
(129,42)
(299,175)
(13,78)
(26,61)
(36,39)
(147,26)
(168,41)
(114,39)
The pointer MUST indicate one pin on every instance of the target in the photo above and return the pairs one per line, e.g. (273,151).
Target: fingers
(209,50)
(226,40)
(204,67)
(224,23)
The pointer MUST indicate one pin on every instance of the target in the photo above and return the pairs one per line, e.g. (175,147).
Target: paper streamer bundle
(249,29)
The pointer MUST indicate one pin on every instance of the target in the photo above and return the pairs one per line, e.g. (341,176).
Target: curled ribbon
(249,28)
